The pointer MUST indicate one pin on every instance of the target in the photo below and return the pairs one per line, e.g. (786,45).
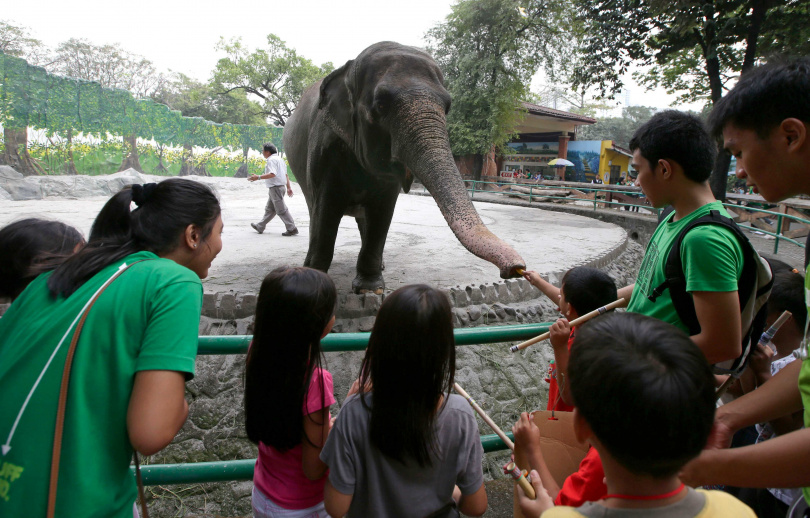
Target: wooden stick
(584,318)
(766,337)
(520,478)
(484,416)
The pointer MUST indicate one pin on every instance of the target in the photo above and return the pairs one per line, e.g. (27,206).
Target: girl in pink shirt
(288,394)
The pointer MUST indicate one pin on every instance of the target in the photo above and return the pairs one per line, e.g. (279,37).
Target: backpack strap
(675,280)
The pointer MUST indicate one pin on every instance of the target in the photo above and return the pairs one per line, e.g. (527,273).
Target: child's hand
(560,332)
(543,502)
(760,364)
(527,434)
(533,277)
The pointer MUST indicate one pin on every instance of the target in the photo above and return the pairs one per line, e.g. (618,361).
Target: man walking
(275,177)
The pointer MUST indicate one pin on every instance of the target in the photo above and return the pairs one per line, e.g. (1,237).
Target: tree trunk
(242,172)
(70,166)
(16,152)
(131,159)
(478,165)
(161,167)
(188,166)
(719,178)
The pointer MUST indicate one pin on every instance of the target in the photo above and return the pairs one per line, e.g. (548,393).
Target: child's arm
(474,504)
(625,293)
(542,503)
(560,332)
(317,426)
(548,289)
(527,439)
(336,503)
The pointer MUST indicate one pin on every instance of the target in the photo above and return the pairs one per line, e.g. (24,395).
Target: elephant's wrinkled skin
(356,138)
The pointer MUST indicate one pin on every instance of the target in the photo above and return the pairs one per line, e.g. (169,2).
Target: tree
(696,48)
(16,41)
(276,74)
(111,67)
(618,129)
(196,99)
(488,51)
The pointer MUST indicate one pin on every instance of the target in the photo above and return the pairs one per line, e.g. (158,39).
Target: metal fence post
(472,194)
(778,235)
(531,189)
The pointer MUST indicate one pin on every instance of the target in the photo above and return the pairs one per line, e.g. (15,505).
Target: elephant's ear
(337,103)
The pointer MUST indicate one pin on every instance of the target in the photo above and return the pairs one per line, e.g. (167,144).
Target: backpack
(753,287)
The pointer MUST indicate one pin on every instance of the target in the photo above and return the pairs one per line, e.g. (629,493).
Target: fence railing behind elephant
(242,469)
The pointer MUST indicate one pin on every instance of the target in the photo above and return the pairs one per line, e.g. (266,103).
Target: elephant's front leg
(369,262)
(323,228)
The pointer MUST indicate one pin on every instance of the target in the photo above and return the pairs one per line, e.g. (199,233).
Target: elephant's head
(389,106)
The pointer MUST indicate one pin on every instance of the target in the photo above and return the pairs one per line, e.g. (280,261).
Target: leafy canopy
(276,74)
(488,51)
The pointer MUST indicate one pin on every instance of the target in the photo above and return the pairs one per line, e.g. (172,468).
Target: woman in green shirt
(135,352)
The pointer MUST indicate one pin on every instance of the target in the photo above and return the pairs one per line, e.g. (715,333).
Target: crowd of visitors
(102,335)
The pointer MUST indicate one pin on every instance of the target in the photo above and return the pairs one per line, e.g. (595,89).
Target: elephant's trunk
(423,146)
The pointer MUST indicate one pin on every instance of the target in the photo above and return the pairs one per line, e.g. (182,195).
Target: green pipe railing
(219,471)
(222,471)
(337,342)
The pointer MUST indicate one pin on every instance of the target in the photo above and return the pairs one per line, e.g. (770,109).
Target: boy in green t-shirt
(765,123)
(673,155)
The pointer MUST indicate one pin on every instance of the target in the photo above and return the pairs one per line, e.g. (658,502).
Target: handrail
(337,342)
(242,469)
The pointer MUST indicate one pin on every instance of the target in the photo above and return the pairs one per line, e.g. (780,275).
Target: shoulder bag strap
(63,389)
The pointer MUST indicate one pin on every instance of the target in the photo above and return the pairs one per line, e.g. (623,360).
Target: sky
(181,35)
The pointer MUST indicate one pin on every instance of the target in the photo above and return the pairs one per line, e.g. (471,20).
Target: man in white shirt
(275,177)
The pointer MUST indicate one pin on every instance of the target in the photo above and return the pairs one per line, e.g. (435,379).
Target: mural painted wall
(535,148)
(585,156)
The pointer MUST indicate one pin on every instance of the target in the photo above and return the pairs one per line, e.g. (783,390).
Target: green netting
(32,97)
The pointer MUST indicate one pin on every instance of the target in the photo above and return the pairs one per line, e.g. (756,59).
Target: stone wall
(504,383)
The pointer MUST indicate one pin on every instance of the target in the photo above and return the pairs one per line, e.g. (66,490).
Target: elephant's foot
(368,284)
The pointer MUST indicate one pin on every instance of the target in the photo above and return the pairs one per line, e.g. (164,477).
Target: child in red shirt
(582,290)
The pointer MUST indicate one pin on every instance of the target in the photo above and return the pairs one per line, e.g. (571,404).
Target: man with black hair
(764,122)
(674,155)
(275,177)
(644,399)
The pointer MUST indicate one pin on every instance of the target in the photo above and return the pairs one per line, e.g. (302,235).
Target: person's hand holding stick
(584,318)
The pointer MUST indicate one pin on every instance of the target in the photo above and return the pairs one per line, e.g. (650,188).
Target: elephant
(364,132)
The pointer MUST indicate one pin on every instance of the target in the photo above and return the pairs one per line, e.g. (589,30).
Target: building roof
(620,150)
(543,111)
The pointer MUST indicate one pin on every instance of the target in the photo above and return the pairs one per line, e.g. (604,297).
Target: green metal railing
(218,471)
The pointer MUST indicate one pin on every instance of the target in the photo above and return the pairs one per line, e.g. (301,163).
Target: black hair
(788,294)
(587,289)
(294,307)
(269,146)
(163,212)
(677,136)
(764,97)
(32,246)
(411,360)
(645,389)
(778,265)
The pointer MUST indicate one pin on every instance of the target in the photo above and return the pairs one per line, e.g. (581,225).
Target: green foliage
(618,129)
(275,74)
(489,51)
(104,157)
(693,48)
(31,97)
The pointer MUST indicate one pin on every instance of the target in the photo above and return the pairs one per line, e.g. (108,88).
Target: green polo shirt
(148,319)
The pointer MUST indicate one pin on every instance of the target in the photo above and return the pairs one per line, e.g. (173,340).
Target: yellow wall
(606,155)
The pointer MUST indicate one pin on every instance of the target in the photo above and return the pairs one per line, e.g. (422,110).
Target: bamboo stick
(484,416)
(520,478)
(584,318)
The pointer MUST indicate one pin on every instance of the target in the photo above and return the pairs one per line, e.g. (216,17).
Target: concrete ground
(420,246)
